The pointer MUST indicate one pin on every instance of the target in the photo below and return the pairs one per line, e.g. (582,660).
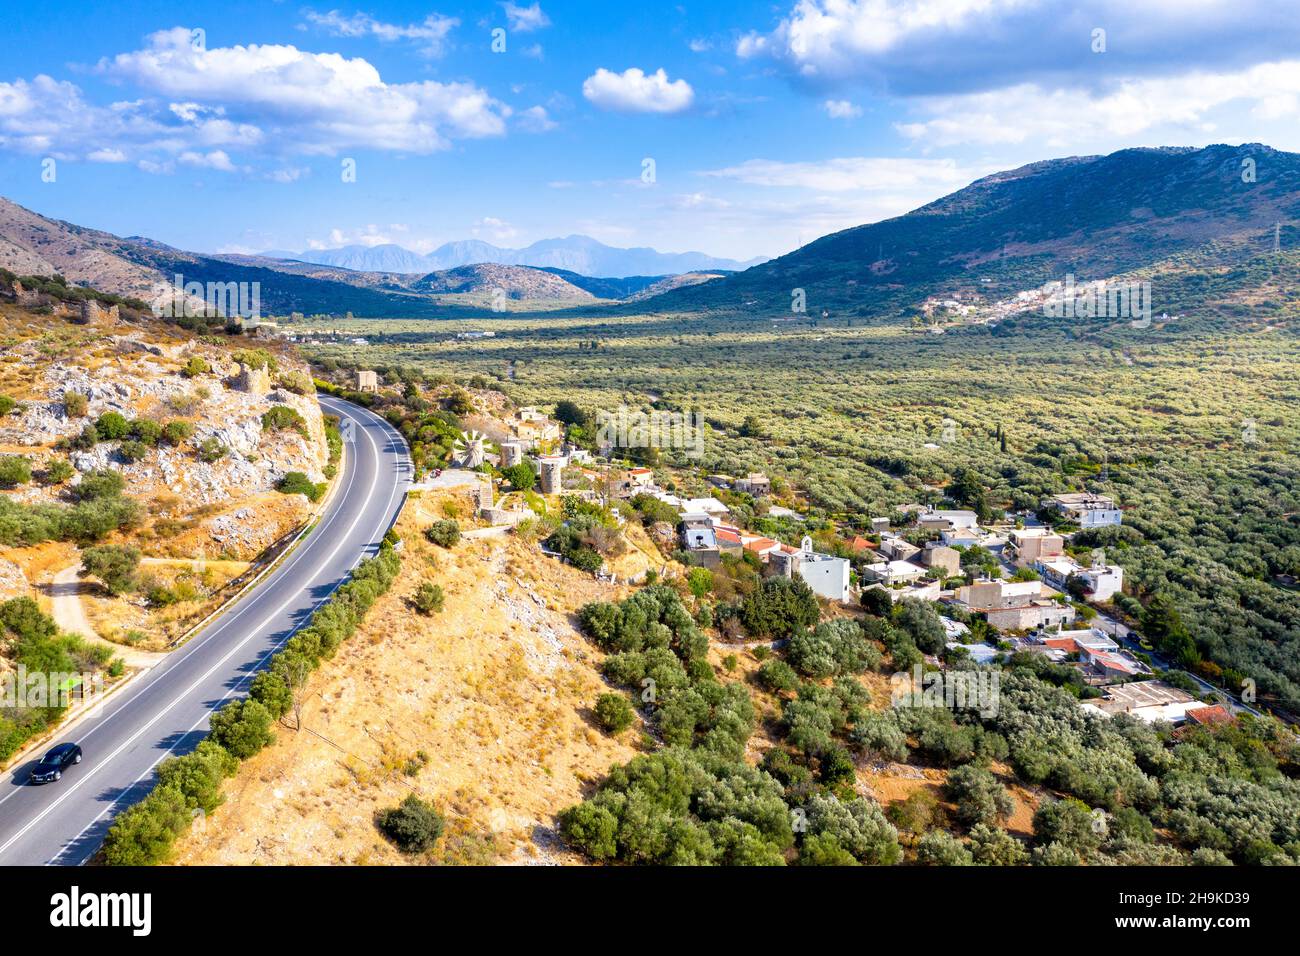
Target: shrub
(273,692)
(991,846)
(75,404)
(700,581)
(114,565)
(146,431)
(100,485)
(176,432)
(243,727)
(7,405)
(522,476)
(777,676)
(133,451)
(979,797)
(211,450)
(280,417)
(614,713)
(779,607)
(57,471)
(196,366)
(142,835)
(877,601)
(297,382)
(413,825)
(198,775)
(296,483)
(941,848)
(428,598)
(443,533)
(15,470)
(255,358)
(111,426)
(86,439)
(832,647)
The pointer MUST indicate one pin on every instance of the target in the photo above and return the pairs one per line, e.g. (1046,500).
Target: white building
(1088,509)
(947,520)
(828,576)
(894,572)
(1100,582)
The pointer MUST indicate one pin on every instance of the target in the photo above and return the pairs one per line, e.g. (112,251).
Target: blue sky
(770,124)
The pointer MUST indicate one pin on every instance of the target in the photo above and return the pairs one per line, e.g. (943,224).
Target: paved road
(165,711)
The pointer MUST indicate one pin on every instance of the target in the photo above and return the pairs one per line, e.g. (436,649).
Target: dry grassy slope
(34,245)
(495,690)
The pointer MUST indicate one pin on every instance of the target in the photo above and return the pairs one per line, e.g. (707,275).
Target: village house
(943,559)
(533,429)
(961,537)
(933,520)
(1100,582)
(699,539)
(755,484)
(1153,701)
(1089,510)
(1025,546)
(890,573)
(828,576)
(710,506)
(894,548)
(1015,605)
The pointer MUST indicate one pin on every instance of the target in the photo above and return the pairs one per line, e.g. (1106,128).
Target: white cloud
(430,35)
(634,91)
(369,235)
(535,119)
(107,156)
(1192,109)
(841,109)
(216,159)
(315,102)
(854,174)
(498,230)
(699,45)
(525,19)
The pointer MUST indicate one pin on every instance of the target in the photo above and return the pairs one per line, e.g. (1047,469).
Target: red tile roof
(1214,714)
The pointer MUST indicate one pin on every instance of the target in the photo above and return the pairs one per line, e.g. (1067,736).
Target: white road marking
(194,646)
(99,765)
(149,770)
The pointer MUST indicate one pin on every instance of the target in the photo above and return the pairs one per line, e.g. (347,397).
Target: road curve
(165,711)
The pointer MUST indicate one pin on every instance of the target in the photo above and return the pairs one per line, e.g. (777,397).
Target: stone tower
(512,453)
(552,475)
(255,381)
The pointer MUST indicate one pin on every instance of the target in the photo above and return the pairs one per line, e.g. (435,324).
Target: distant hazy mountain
(385,258)
(579,254)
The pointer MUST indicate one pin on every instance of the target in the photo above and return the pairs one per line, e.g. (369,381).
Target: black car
(55,762)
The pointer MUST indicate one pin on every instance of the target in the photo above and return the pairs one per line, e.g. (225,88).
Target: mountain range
(579,254)
(1092,217)
(1190,221)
